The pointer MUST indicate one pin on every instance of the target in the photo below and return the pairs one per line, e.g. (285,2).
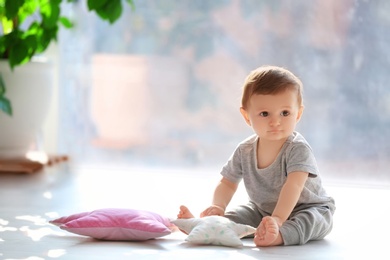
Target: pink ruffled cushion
(116,224)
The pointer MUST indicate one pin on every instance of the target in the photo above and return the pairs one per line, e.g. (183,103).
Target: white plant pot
(29,88)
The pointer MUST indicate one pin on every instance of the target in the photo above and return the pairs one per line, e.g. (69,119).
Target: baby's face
(273,117)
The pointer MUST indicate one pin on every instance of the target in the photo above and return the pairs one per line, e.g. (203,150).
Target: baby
(287,202)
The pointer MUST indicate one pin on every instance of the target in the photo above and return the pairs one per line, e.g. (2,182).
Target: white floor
(27,202)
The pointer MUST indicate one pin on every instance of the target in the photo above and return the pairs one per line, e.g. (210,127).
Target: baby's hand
(213,210)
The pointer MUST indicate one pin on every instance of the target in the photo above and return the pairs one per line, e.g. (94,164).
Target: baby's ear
(244,113)
(300,112)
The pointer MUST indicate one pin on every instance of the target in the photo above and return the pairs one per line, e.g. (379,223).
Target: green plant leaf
(3,48)
(12,8)
(28,9)
(34,28)
(7,25)
(2,86)
(113,10)
(46,37)
(19,54)
(110,11)
(31,44)
(50,12)
(5,104)
(66,22)
(96,4)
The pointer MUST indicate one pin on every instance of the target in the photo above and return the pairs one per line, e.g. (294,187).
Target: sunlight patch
(37,234)
(3,222)
(54,253)
(37,220)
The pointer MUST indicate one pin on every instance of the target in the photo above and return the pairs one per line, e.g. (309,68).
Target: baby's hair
(270,80)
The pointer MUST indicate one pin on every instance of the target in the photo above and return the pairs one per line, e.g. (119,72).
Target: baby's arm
(289,195)
(222,196)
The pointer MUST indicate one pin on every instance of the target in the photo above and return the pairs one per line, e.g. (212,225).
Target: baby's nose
(274,121)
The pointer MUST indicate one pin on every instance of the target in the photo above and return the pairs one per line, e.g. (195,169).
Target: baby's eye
(264,114)
(285,113)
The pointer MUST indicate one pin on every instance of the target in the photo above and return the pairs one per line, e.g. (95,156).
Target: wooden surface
(26,165)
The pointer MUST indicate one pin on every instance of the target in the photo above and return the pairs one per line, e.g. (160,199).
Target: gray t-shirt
(263,185)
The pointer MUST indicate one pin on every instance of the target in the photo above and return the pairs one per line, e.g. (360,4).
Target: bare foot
(184,213)
(267,233)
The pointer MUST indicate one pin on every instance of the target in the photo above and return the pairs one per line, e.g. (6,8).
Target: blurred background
(161,88)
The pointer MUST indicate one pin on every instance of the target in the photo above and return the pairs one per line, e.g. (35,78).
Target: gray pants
(303,225)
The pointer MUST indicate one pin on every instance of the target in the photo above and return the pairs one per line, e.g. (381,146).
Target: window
(161,88)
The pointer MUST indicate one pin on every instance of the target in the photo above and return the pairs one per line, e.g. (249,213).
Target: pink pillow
(116,224)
